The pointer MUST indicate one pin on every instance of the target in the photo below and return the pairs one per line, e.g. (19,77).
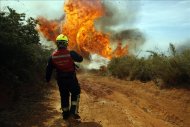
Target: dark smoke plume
(118,15)
(133,37)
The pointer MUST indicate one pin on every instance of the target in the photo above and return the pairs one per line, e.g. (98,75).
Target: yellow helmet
(62,41)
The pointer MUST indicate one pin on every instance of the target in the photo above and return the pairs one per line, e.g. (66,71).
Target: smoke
(118,23)
(183,46)
(97,61)
(117,13)
(131,37)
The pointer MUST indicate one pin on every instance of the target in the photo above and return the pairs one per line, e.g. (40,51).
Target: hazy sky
(162,21)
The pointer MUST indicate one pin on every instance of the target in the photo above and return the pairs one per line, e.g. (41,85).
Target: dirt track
(110,102)
(105,102)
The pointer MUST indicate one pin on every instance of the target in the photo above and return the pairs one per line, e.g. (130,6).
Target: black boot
(66,115)
(76,116)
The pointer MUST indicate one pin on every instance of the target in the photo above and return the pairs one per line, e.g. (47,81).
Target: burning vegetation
(79,25)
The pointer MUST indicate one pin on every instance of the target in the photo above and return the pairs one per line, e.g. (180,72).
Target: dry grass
(173,69)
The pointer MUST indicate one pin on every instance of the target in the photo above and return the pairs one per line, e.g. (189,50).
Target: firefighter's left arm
(49,70)
(76,57)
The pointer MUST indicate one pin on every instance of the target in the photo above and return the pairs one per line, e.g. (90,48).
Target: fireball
(78,25)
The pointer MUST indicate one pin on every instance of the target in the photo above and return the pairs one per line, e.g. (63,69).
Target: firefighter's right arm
(49,70)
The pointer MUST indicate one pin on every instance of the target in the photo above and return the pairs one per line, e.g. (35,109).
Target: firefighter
(62,60)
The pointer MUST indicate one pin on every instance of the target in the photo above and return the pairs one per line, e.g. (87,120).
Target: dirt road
(111,102)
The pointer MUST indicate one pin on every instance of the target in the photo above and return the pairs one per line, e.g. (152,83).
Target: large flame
(79,26)
(50,29)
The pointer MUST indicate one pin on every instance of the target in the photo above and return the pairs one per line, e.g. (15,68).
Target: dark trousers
(68,84)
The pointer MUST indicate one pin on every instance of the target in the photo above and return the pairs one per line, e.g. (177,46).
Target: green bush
(118,67)
(141,70)
(22,57)
(173,69)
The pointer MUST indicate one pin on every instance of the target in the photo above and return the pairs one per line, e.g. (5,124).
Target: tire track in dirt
(133,105)
(116,100)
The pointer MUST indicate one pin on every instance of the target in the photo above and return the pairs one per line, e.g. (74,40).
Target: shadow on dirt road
(60,123)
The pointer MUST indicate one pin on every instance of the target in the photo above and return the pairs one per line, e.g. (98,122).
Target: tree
(22,57)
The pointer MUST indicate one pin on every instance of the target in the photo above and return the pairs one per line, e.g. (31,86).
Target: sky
(161,21)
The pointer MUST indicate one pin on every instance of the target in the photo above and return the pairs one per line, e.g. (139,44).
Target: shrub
(23,59)
(118,67)
(130,67)
(173,69)
(21,54)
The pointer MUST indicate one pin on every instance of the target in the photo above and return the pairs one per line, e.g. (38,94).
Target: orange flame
(50,29)
(119,51)
(79,26)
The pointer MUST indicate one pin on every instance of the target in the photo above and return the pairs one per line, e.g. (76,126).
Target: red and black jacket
(63,61)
